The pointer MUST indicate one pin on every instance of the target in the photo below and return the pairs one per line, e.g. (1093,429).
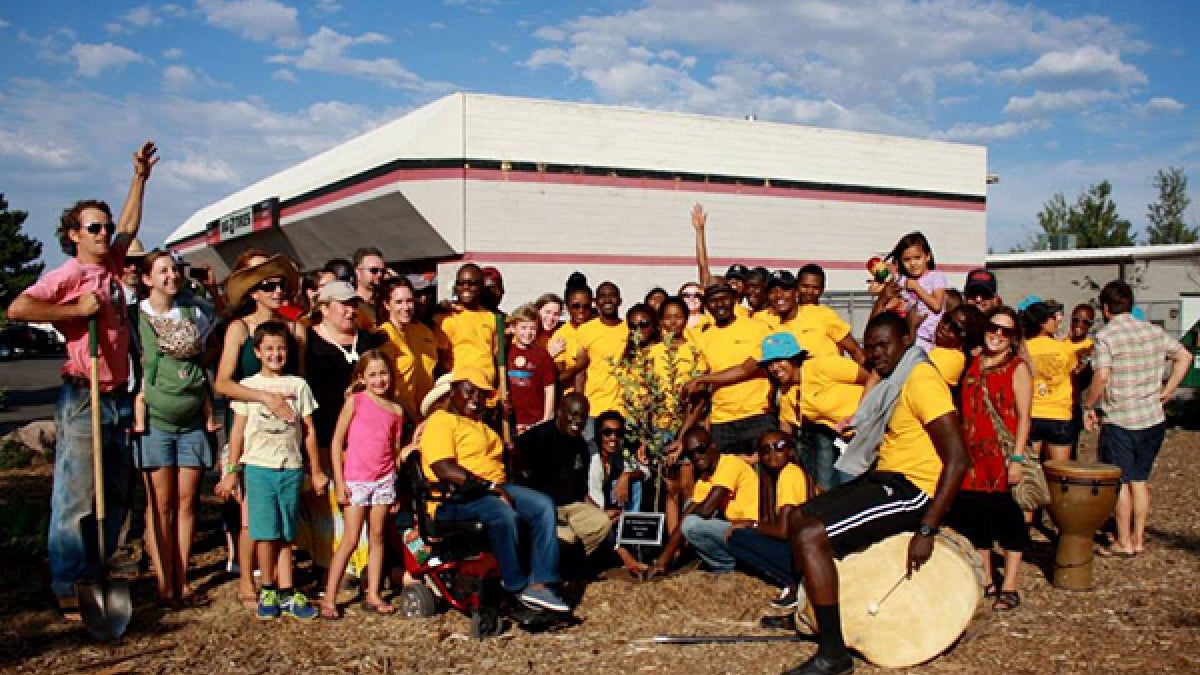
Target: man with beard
(457,447)
(553,458)
(368,271)
(729,352)
(601,342)
(908,421)
(981,290)
(469,327)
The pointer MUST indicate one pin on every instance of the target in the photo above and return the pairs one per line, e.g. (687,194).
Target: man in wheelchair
(457,447)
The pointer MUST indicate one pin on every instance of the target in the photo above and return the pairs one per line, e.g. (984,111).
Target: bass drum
(896,622)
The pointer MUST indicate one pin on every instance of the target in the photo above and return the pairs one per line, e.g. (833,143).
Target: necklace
(351,355)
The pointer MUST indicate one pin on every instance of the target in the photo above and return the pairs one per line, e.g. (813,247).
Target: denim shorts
(1133,450)
(740,437)
(160,449)
(272,502)
(1054,432)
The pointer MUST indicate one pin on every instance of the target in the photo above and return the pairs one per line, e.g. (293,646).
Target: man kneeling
(910,417)
(458,448)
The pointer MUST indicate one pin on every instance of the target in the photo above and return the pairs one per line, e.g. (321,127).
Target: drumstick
(873,607)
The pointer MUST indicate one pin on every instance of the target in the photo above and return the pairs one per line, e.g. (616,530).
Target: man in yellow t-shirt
(601,342)
(764,546)
(725,495)
(729,352)
(921,464)
(458,448)
(469,328)
(818,328)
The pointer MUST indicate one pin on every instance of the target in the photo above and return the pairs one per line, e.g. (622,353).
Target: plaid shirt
(1136,352)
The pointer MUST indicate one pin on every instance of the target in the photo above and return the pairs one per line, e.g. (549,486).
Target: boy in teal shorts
(267,451)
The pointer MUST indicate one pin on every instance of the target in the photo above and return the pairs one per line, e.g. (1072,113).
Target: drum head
(1084,471)
(896,622)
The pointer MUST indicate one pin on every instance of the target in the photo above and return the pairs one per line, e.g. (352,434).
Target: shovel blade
(105,607)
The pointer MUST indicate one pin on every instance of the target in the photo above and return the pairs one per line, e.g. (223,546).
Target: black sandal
(990,590)
(1006,601)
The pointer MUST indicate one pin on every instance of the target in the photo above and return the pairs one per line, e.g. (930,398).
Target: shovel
(104,605)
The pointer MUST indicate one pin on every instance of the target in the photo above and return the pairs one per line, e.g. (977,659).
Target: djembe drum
(894,621)
(1082,496)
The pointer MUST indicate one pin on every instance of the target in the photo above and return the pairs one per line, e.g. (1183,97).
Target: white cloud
(257,20)
(325,52)
(37,152)
(437,25)
(550,34)
(4,24)
(1160,104)
(142,17)
(1088,64)
(284,75)
(1044,103)
(173,53)
(328,6)
(971,132)
(499,46)
(192,170)
(179,77)
(91,60)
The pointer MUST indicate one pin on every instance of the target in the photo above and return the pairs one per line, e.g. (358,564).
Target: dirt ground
(1143,617)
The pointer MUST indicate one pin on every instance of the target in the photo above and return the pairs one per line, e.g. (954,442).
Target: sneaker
(297,607)
(268,604)
(789,598)
(543,598)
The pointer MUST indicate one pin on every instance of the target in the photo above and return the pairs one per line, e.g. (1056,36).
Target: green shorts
(272,502)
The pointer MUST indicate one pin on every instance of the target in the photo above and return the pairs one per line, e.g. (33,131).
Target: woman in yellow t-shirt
(410,344)
(1053,361)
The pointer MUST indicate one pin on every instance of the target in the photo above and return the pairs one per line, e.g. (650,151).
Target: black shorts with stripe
(867,510)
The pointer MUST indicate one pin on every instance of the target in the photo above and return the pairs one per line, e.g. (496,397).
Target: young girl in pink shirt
(365,444)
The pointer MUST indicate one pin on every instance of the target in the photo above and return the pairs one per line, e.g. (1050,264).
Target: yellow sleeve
(934,399)
(700,491)
(789,406)
(840,369)
(793,487)
(835,327)
(437,440)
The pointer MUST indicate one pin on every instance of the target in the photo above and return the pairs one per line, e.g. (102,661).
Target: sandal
(68,606)
(990,590)
(195,599)
(382,608)
(1006,601)
(329,612)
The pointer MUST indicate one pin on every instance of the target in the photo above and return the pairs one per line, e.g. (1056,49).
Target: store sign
(237,224)
(260,216)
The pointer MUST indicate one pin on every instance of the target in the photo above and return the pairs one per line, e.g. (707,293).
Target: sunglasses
(579,305)
(373,270)
(1004,331)
(644,323)
(95,228)
(612,432)
(693,294)
(1085,322)
(270,285)
(468,282)
(777,445)
(956,328)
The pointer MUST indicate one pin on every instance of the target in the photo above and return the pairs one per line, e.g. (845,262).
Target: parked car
(6,349)
(31,340)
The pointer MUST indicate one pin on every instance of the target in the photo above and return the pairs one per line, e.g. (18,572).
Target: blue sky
(1063,94)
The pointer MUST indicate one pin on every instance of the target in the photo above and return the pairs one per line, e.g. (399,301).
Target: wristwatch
(231,469)
(924,530)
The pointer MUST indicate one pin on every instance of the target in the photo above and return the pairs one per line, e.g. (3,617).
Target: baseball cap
(783,278)
(780,346)
(716,286)
(736,271)
(762,273)
(980,281)
(337,290)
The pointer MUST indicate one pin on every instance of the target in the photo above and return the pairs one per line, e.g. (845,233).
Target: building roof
(469,127)
(1093,255)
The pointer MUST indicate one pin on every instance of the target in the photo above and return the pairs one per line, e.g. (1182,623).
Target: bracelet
(1019,459)
(231,469)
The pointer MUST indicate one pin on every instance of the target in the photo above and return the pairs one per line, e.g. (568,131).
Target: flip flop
(329,613)
(382,609)
(1006,601)
(1107,552)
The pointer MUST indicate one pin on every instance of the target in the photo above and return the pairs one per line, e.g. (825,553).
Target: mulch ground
(1144,616)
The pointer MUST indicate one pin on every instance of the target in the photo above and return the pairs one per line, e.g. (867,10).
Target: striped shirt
(1136,352)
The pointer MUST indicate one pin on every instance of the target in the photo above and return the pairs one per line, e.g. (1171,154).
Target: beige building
(1164,278)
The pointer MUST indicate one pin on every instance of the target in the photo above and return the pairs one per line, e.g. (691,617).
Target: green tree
(1094,220)
(18,254)
(1165,216)
(1053,218)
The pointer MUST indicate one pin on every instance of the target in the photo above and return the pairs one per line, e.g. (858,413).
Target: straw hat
(440,390)
(239,284)
(136,250)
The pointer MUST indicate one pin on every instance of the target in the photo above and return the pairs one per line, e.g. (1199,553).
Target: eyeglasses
(1004,331)
(373,270)
(692,294)
(579,305)
(95,228)
(609,431)
(468,282)
(777,445)
(270,285)
(1085,322)
(644,323)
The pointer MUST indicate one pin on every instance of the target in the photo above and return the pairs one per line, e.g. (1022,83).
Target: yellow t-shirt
(722,348)
(471,334)
(735,475)
(791,487)
(741,311)
(1053,361)
(472,444)
(818,329)
(949,362)
(907,447)
(1082,347)
(602,343)
(829,392)
(570,338)
(766,317)
(413,350)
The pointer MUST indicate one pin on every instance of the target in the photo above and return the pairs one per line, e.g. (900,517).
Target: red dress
(987,471)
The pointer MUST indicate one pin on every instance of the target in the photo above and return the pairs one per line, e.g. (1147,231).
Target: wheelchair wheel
(486,622)
(417,602)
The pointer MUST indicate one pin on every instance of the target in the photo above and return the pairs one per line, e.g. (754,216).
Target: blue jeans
(530,506)
(72,539)
(771,557)
(817,454)
(707,536)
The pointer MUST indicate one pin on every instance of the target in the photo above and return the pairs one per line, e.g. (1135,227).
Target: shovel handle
(97,431)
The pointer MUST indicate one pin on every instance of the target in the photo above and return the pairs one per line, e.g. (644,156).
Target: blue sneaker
(297,607)
(268,604)
(543,598)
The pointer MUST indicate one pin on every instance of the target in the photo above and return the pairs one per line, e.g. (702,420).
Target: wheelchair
(460,571)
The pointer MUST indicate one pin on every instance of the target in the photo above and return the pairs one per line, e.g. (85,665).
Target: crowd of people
(740,407)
